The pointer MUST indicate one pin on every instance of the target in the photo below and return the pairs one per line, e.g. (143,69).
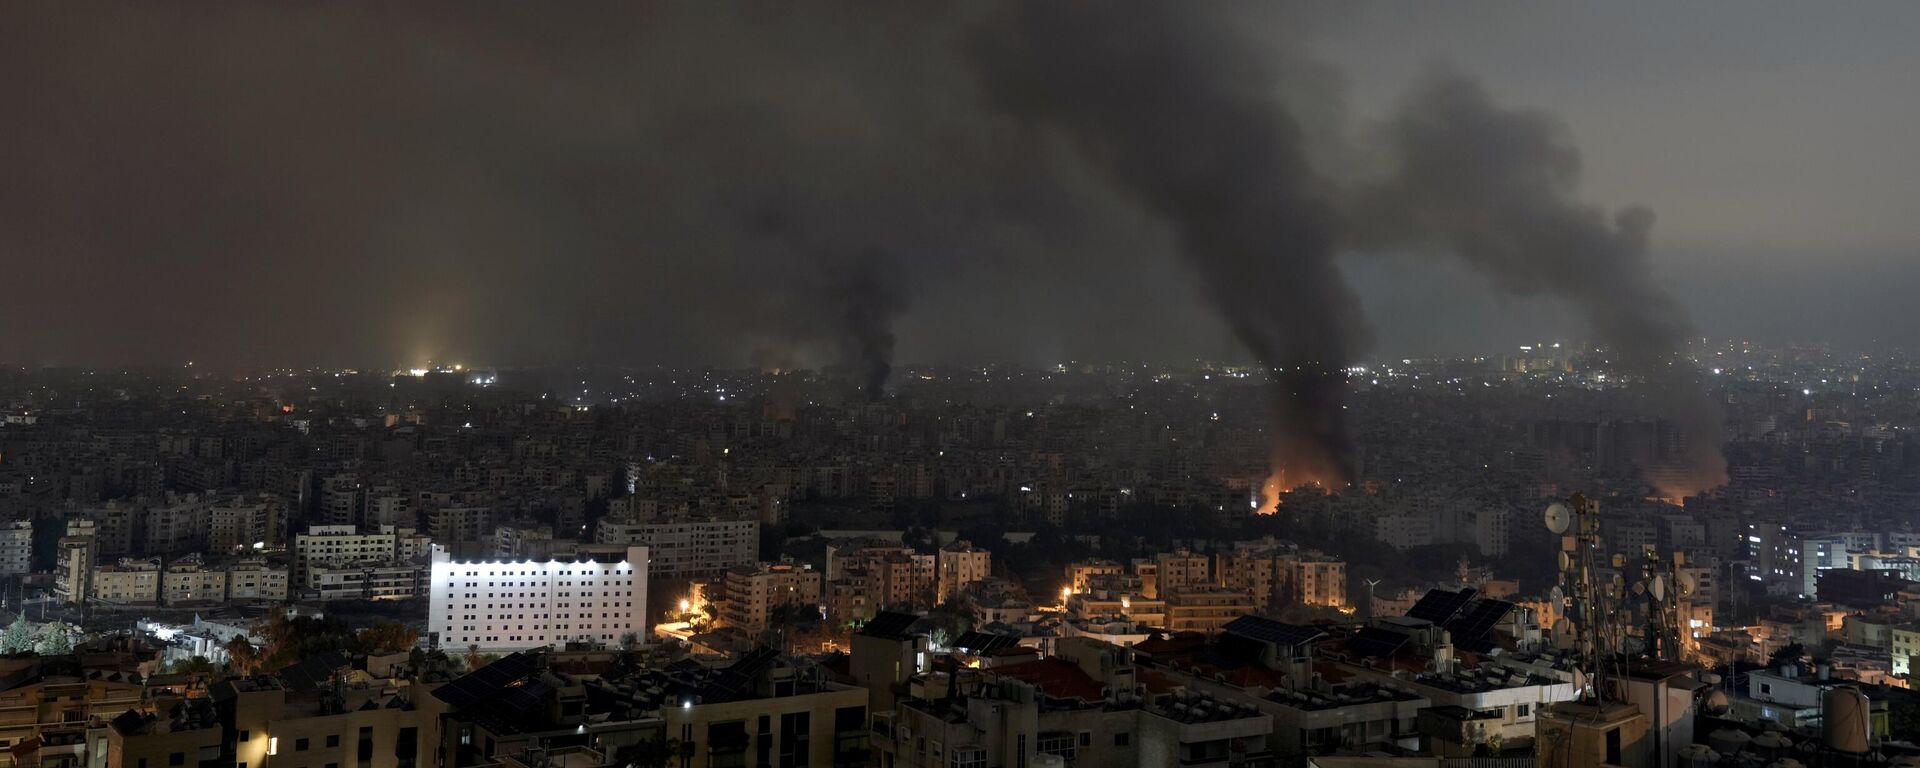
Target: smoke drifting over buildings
(1497,188)
(872,300)
(388,184)
(1185,119)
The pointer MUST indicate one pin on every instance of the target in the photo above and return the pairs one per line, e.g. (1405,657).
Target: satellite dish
(1566,562)
(1619,560)
(1563,634)
(1686,584)
(1659,587)
(1558,517)
(1556,595)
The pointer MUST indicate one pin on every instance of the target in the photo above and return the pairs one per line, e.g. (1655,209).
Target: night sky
(508,183)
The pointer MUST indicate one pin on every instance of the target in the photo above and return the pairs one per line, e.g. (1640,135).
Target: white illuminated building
(598,594)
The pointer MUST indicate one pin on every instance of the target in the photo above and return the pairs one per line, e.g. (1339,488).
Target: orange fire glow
(1278,483)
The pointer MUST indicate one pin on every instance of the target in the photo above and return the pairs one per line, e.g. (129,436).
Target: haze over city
(987,385)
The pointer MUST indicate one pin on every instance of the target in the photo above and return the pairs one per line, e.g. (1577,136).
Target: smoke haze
(1497,187)
(377,184)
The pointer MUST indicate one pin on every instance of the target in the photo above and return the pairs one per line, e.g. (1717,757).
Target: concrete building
(366,581)
(686,549)
(337,546)
(958,565)
(259,722)
(127,582)
(1086,706)
(257,580)
(749,596)
(597,595)
(1178,570)
(189,580)
(73,570)
(239,522)
(16,548)
(1206,609)
(1080,576)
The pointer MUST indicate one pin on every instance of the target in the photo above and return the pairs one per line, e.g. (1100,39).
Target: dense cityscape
(1087,541)
(997,384)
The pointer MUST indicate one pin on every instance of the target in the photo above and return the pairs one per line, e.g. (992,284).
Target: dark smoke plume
(871,302)
(1498,188)
(1186,119)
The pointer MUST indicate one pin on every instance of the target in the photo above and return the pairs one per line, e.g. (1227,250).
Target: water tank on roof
(1728,741)
(1846,715)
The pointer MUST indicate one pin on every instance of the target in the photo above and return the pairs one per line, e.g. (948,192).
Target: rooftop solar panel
(1374,642)
(486,683)
(1268,630)
(889,624)
(984,642)
(1440,605)
(1478,620)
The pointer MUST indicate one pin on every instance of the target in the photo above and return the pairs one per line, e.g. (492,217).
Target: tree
(629,641)
(242,657)
(52,640)
(18,638)
(655,753)
(388,637)
(198,666)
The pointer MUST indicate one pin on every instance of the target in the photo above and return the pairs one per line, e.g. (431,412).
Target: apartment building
(687,548)
(597,595)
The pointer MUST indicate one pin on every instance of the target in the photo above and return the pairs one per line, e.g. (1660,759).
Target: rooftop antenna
(1371,583)
(1590,626)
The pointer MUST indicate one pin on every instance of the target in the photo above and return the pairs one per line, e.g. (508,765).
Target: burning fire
(1268,502)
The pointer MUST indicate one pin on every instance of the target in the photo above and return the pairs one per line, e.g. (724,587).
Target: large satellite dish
(1659,586)
(1686,584)
(1558,517)
(1564,634)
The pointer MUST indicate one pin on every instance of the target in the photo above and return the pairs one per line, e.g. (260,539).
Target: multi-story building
(597,595)
(128,582)
(1903,643)
(958,565)
(336,546)
(257,580)
(1086,706)
(364,581)
(257,721)
(1404,531)
(340,500)
(1315,579)
(115,526)
(1180,569)
(1278,574)
(16,548)
(1081,575)
(40,701)
(178,526)
(1205,609)
(687,548)
(749,596)
(852,598)
(189,580)
(243,521)
(461,526)
(73,570)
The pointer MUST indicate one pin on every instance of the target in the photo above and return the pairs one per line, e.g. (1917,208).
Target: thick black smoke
(872,300)
(1185,117)
(1498,188)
